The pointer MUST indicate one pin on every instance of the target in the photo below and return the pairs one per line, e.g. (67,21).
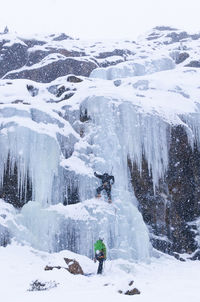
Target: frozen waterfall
(40,156)
(103,126)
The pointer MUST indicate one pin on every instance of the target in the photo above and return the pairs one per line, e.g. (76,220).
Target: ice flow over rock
(56,145)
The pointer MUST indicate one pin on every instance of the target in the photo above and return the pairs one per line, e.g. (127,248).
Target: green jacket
(100,246)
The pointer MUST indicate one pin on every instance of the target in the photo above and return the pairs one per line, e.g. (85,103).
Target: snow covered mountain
(71,107)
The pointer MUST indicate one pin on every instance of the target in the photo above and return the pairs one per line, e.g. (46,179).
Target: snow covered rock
(13,53)
(38,285)
(52,68)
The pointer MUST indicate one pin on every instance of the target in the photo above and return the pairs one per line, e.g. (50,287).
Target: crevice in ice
(33,157)
(72,194)
(84,115)
(15,189)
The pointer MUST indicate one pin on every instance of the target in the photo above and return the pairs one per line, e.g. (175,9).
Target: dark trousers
(106,188)
(100,267)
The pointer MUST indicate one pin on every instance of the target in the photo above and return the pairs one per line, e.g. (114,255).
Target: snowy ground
(164,279)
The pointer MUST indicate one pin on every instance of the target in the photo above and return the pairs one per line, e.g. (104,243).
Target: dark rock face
(183,183)
(17,55)
(169,211)
(12,57)
(52,71)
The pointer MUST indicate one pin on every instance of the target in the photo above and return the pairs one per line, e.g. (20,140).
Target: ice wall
(122,132)
(136,67)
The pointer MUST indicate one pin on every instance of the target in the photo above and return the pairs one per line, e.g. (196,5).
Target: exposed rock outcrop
(12,56)
(170,210)
(52,71)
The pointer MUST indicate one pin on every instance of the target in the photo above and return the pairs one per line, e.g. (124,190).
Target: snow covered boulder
(74,267)
(73,79)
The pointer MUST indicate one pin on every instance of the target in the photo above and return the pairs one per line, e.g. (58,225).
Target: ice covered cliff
(132,117)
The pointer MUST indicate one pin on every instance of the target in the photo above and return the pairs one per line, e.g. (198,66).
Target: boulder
(73,79)
(132,292)
(50,268)
(131,282)
(74,267)
(181,57)
(194,63)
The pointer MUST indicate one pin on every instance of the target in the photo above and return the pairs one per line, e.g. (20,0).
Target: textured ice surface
(137,67)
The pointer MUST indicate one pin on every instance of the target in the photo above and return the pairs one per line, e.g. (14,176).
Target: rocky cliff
(160,71)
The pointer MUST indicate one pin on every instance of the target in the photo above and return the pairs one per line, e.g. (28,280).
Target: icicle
(32,153)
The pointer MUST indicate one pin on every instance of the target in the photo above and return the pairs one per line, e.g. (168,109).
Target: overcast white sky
(98,18)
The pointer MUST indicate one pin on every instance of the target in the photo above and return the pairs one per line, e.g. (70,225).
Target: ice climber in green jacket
(100,254)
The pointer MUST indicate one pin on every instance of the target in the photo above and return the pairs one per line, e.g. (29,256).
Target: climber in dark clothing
(107,181)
